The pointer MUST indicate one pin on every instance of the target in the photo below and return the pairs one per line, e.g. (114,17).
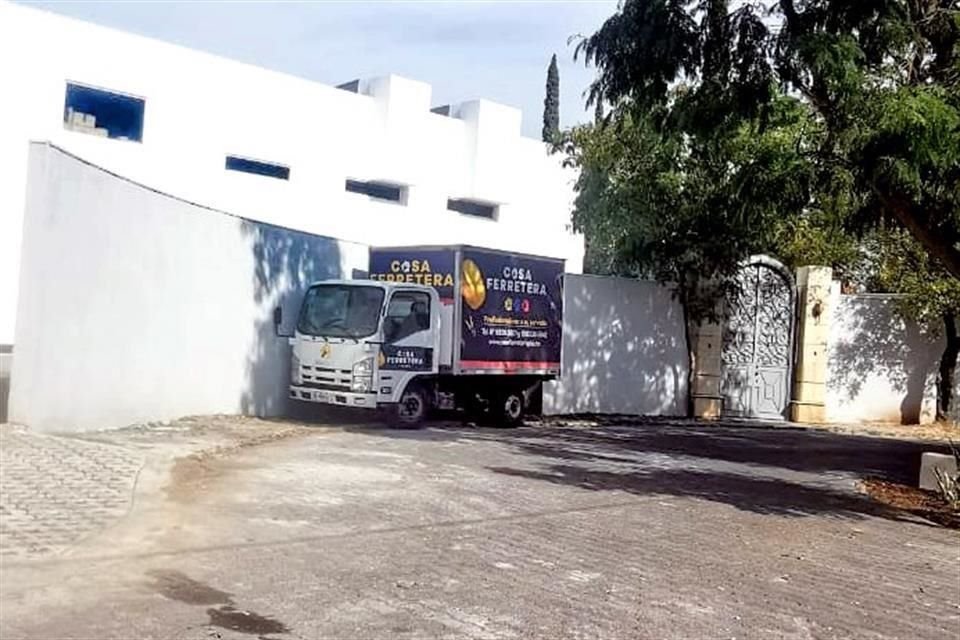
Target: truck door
(411,339)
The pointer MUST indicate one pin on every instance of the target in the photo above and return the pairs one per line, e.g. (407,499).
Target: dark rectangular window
(103,113)
(378,190)
(473,208)
(268,169)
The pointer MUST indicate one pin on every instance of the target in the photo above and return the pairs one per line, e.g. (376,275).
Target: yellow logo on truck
(325,350)
(473,289)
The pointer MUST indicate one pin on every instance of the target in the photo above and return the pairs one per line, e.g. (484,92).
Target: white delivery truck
(432,327)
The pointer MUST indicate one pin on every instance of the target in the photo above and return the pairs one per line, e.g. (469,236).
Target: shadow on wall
(286,262)
(624,349)
(880,365)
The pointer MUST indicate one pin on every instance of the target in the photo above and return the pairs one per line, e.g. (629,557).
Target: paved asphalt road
(663,530)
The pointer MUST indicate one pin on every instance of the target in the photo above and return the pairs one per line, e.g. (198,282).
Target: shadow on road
(760,468)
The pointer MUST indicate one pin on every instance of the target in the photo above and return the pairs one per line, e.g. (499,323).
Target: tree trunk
(948,366)
(689,336)
(691,359)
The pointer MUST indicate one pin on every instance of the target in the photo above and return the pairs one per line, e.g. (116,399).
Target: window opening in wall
(236,163)
(473,208)
(103,113)
(378,190)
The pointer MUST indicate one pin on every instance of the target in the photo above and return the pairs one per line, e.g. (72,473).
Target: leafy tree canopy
(872,139)
(658,202)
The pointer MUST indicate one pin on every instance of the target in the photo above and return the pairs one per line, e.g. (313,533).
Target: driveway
(662,529)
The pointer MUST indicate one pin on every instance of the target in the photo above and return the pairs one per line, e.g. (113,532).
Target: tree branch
(937,244)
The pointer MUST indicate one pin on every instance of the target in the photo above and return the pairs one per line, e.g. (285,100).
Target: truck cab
(360,343)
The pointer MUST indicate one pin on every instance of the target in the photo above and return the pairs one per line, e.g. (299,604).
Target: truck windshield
(340,311)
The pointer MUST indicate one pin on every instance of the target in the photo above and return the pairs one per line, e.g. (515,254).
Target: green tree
(806,129)
(642,191)
(881,76)
(683,179)
(551,103)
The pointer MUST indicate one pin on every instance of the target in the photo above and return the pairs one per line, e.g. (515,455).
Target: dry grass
(942,432)
(926,504)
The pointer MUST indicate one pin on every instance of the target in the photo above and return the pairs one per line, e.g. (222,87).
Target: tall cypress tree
(551,103)
(598,115)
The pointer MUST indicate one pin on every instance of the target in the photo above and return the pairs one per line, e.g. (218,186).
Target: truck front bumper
(341,398)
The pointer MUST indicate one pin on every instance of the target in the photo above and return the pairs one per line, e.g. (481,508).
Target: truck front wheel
(509,407)
(412,408)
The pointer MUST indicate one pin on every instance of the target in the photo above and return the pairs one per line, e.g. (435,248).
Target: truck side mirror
(277,318)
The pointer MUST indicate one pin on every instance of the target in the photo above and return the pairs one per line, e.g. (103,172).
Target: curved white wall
(137,306)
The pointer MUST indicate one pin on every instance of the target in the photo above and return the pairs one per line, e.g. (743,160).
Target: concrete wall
(624,350)
(138,306)
(879,367)
(201,107)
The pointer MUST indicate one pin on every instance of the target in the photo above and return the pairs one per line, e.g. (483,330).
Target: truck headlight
(363,368)
(362,379)
(295,369)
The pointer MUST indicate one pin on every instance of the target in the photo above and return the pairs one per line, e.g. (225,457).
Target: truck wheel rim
(411,406)
(513,407)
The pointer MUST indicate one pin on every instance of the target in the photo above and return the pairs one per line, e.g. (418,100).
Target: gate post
(707,344)
(813,327)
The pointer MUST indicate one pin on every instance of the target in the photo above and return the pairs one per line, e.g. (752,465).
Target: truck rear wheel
(509,407)
(412,408)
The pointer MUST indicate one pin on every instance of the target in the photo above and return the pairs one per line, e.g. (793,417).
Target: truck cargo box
(503,311)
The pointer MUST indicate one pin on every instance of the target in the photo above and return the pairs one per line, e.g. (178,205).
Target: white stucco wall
(624,349)
(201,107)
(137,306)
(879,368)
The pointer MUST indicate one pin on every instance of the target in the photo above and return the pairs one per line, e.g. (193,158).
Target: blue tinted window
(473,208)
(260,168)
(378,190)
(103,113)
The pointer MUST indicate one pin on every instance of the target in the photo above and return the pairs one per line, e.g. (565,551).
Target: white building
(188,124)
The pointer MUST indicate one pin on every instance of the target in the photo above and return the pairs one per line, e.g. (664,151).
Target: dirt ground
(273,529)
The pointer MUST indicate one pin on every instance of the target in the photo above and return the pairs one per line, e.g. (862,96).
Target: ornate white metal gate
(758,343)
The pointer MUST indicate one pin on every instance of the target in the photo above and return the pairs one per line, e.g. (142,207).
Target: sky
(498,50)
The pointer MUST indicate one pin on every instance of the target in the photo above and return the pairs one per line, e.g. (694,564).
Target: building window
(103,113)
(236,163)
(473,208)
(378,190)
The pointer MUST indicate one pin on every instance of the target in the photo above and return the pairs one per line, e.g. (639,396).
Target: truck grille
(325,378)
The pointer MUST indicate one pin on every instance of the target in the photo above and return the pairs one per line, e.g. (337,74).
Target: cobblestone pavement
(661,530)
(55,491)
